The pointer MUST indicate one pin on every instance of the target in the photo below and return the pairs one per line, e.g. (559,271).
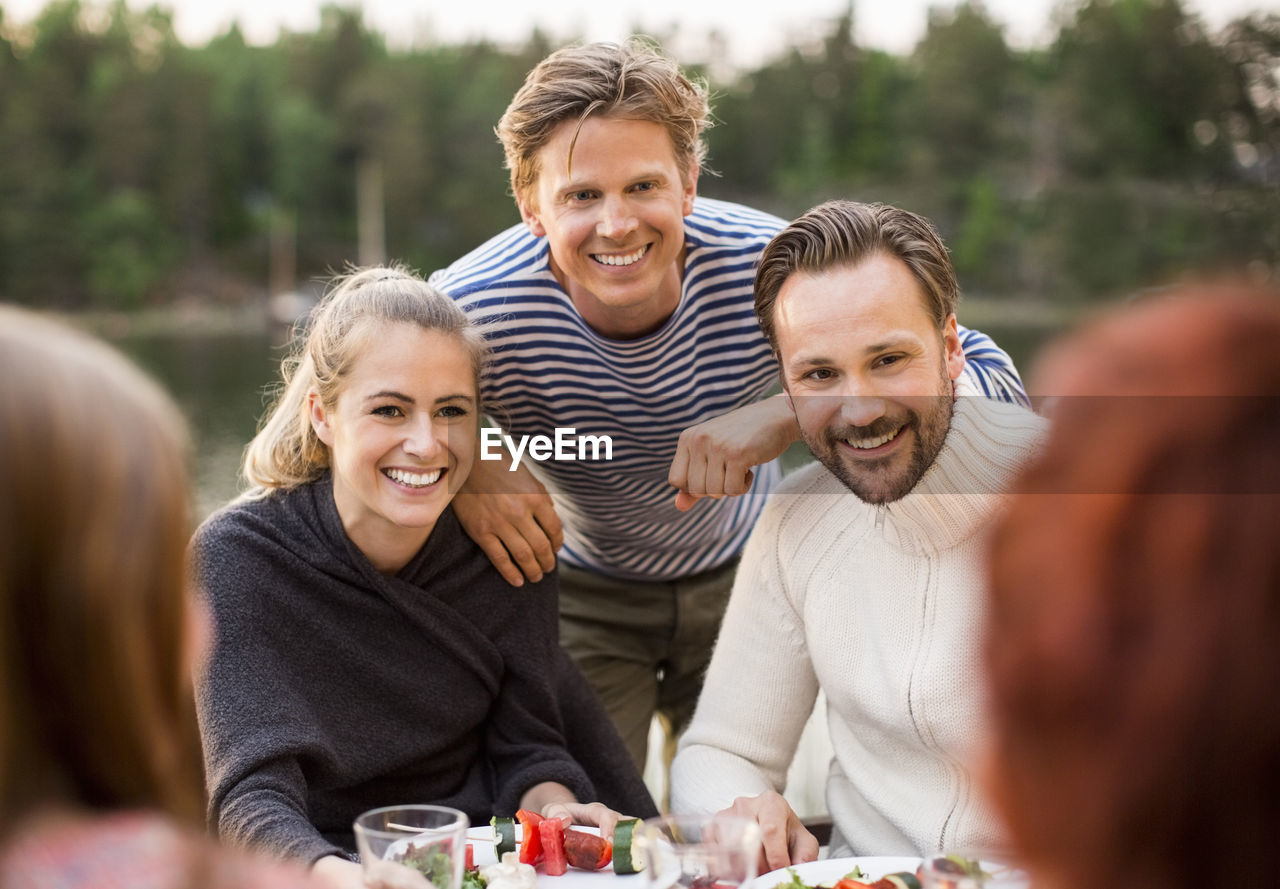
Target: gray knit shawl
(332,689)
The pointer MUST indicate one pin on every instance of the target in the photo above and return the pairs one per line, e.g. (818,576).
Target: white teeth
(628,259)
(866,444)
(413,479)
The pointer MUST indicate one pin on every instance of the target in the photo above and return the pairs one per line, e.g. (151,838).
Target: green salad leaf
(433,864)
(796,883)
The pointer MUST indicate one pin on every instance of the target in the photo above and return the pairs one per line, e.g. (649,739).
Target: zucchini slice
(627,859)
(504,835)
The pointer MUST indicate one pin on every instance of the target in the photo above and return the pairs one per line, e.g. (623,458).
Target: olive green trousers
(643,645)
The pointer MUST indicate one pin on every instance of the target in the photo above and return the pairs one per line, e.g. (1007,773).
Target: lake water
(219,381)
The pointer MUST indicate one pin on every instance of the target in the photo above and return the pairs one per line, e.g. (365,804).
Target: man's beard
(878,481)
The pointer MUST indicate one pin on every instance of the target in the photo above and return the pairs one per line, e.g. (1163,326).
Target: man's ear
(690,188)
(529,213)
(954,351)
(319,418)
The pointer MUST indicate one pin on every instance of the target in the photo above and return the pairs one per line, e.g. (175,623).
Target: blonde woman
(100,781)
(367,652)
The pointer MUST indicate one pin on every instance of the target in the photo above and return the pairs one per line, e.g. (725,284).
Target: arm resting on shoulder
(715,458)
(511,516)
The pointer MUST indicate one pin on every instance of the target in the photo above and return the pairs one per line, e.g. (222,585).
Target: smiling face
(611,203)
(868,373)
(401,438)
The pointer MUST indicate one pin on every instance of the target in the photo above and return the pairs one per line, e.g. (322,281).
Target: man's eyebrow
(899,342)
(809,360)
(886,345)
(587,185)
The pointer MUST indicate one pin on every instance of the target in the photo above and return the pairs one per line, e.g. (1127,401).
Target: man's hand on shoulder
(511,516)
(715,458)
(785,841)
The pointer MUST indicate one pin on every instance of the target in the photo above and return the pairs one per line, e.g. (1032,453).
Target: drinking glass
(972,870)
(698,851)
(412,846)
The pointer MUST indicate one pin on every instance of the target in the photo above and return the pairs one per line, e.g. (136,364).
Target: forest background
(1135,149)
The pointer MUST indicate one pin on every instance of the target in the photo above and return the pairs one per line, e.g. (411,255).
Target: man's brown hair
(844,233)
(631,81)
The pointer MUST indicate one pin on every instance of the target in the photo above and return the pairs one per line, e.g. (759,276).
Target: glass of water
(699,851)
(412,846)
(972,870)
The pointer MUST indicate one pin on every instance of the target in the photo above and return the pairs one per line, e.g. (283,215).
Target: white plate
(829,870)
(481,839)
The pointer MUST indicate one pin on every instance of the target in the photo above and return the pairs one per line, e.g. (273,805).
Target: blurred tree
(127,246)
(329,111)
(966,109)
(461,196)
(1134,77)
(1248,128)
(970,108)
(1251,135)
(130,246)
(11,71)
(811,125)
(1143,180)
(48,133)
(134,169)
(243,85)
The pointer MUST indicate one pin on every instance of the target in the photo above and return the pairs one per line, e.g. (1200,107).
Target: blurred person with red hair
(100,773)
(1133,645)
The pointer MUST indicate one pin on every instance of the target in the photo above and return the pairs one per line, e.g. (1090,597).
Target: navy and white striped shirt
(551,370)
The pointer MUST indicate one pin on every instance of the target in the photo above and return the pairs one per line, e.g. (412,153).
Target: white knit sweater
(880,606)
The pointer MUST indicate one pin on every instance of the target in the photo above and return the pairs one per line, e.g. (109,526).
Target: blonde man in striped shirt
(621,306)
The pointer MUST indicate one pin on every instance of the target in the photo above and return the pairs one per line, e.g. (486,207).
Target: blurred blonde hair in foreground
(97,635)
(1134,639)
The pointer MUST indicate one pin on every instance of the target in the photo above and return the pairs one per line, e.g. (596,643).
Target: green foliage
(128,250)
(1135,77)
(974,243)
(963,95)
(1135,148)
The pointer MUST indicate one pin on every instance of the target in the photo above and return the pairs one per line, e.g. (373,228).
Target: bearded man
(863,576)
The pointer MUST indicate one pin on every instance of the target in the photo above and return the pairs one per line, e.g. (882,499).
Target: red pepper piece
(586,850)
(469,860)
(553,852)
(530,839)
